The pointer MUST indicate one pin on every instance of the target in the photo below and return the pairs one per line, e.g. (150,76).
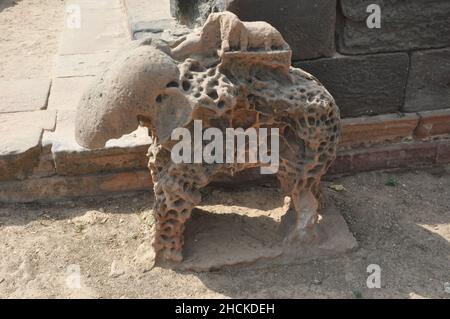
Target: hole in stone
(159,98)
(186,85)
(221,104)
(196,67)
(178,202)
(212,94)
(172,84)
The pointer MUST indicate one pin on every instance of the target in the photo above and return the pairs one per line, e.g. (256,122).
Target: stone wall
(404,66)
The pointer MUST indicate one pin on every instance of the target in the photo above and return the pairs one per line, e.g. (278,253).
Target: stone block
(152,18)
(67,92)
(23,94)
(429,80)
(433,123)
(308,26)
(147,10)
(66,187)
(128,152)
(398,155)
(405,25)
(443,156)
(102,27)
(79,65)
(363,85)
(20,147)
(366,131)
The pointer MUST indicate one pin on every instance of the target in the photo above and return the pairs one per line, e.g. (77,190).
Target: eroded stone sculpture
(228,74)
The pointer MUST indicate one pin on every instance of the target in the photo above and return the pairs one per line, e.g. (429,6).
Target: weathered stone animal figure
(152,85)
(223,32)
(262,35)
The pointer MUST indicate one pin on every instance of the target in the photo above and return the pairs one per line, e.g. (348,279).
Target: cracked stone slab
(67,92)
(79,65)
(127,152)
(102,27)
(23,94)
(20,146)
(22,131)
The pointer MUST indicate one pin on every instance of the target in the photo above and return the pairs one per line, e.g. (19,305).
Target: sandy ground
(29,35)
(404,228)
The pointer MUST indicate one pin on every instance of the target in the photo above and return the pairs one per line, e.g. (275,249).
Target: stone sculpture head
(140,86)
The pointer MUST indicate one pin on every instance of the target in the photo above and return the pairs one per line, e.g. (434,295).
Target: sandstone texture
(363,85)
(429,81)
(405,25)
(229,74)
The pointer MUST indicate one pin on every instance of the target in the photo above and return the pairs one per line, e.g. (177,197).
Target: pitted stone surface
(230,74)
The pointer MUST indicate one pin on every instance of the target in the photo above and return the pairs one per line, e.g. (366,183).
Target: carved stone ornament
(227,74)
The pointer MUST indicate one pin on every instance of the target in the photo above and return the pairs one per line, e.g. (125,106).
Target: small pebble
(316,282)
(447,287)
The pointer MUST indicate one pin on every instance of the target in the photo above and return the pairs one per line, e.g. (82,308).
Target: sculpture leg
(305,207)
(318,194)
(302,215)
(176,195)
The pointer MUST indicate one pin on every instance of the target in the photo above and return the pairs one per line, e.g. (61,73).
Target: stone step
(23,94)
(152,18)
(60,187)
(93,26)
(67,92)
(77,65)
(56,187)
(125,153)
(20,147)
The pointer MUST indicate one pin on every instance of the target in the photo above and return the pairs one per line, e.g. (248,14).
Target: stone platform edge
(387,141)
